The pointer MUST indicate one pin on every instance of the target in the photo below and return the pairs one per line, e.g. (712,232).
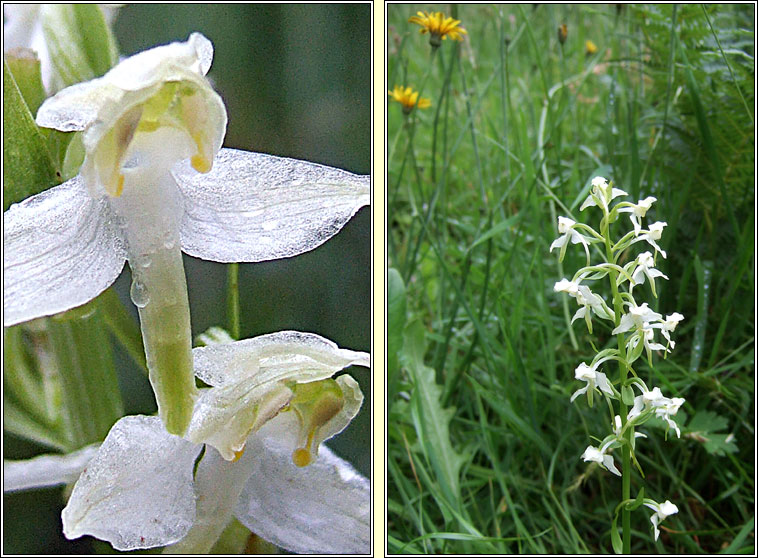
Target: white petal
(610,465)
(218,484)
(323,508)
(46,470)
(163,63)
(137,491)
(224,416)
(253,207)
(61,249)
(77,107)
(284,355)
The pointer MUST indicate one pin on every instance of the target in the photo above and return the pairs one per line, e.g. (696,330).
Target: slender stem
(626,470)
(233,300)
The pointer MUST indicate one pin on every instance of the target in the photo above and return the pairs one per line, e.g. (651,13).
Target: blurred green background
(296,82)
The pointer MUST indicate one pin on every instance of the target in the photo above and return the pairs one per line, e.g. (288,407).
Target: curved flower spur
(155,182)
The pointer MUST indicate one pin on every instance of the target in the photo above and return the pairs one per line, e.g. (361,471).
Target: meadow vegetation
(484,449)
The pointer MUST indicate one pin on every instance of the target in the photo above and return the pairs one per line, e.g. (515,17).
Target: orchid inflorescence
(634,324)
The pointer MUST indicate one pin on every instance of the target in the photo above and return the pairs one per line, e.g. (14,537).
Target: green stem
(626,470)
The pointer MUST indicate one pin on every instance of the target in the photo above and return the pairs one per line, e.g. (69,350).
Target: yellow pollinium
(315,404)
(238,454)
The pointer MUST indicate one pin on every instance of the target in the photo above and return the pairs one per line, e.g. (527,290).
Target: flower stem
(626,470)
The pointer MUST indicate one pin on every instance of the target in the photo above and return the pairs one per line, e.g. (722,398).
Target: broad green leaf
(395,324)
(27,166)
(430,419)
(707,421)
(703,428)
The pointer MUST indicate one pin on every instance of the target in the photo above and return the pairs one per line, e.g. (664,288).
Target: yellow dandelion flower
(590,48)
(409,98)
(439,27)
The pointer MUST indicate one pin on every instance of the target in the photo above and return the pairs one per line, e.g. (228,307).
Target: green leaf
(707,421)
(81,44)
(638,501)
(703,427)
(430,419)
(27,166)
(497,230)
(395,324)
(91,398)
(123,326)
(25,69)
(618,547)
(627,395)
(18,422)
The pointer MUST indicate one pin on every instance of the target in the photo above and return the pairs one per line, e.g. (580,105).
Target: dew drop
(138,292)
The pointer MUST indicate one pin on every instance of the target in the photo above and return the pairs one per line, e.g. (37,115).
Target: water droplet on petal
(138,293)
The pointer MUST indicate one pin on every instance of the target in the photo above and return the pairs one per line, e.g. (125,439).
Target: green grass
(483,446)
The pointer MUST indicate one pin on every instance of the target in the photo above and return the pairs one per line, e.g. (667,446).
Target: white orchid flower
(569,234)
(636,318)
(594,379)
(663,407)
(588,301)
(599,455)
(637,211)
(155,182)
(662,511)
(645,267)
(139,490)
(669,325)
(602,194)
(653,234)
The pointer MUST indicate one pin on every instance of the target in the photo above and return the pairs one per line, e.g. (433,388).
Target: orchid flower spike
(271,405)
(155,182)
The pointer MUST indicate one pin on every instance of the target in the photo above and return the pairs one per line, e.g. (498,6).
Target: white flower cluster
(636,324)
